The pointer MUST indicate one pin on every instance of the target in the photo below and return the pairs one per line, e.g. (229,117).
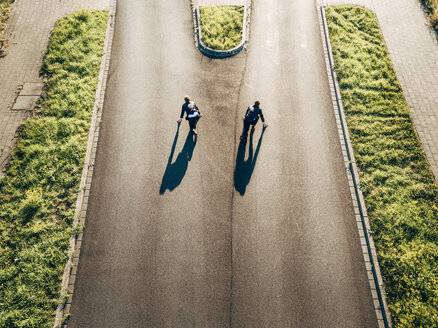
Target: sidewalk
(413,48)
(28,33)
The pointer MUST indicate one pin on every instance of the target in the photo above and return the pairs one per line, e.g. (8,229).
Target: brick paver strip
(413,48)
(25,103)
(28,33)
(31,89)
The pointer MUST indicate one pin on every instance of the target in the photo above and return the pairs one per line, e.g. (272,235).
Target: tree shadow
(176,171)
(244,169)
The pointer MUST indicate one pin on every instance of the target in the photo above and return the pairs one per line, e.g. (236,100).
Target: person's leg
(192,124)
(245,129)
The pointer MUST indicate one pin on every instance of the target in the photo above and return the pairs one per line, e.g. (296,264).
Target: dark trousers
(246,126)
(193,122)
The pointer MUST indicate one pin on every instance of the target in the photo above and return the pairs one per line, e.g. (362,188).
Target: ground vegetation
(400,192)
(5,9)
(222,26)
(432,8)
(38,193)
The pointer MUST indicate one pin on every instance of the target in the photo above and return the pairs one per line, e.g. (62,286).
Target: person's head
(187,99)
(257,103)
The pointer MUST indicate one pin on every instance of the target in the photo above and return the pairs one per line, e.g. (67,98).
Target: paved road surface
(217,233)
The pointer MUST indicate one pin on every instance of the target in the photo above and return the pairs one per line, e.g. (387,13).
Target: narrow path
(215,233)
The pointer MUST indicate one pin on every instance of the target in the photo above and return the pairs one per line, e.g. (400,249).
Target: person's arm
(246,113)
(197,108)
(263,119)
(181,115)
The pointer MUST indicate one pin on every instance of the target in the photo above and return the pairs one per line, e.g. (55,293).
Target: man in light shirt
(192,114)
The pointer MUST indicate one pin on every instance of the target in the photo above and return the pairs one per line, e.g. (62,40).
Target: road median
(221,31)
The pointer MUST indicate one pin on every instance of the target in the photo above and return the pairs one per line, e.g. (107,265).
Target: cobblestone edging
(360,211)
(214,53)
(69,277)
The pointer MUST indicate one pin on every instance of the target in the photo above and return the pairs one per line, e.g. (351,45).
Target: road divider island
(221,31)
(400,191)
(40,188)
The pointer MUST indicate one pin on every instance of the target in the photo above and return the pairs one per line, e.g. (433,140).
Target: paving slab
(25,103)
(31,89)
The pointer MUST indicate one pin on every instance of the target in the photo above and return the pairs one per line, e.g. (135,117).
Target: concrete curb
(214,53)
(360,211)
(69,276)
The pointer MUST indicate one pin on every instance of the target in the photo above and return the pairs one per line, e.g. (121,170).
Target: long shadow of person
(244,169)
(176,171)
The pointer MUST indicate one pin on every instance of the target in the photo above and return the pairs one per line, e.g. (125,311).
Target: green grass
(38,194)
(222,26)
(398,185)
(5,10)
(432,7)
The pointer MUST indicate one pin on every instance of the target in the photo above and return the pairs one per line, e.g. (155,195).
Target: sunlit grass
(432,7)
(5,9)
(222,26)
(38,194)
(399,188)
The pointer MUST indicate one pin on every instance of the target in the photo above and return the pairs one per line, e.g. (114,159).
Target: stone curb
(360,211)
(69,276)
(214,53)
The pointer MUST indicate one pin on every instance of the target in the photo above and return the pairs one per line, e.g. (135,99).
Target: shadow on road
(244,169)
(176,171)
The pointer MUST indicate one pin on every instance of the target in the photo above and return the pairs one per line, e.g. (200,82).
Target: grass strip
(398,185)
(38,193)
(222,26)
(5,10)
(432,8)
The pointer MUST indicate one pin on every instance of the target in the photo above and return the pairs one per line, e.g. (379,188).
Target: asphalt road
(214,232)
